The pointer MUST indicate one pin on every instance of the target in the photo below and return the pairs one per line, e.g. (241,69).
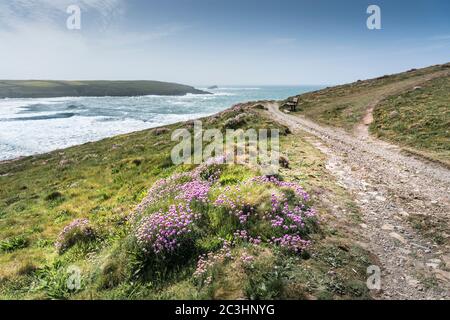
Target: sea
(34,126)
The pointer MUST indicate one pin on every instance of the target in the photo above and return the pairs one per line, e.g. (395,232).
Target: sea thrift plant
(211,169)
(162,189)
(164,232)
(194,190)
(237,204)
(298,190)
(77,231)
(291,242)
(289,223)
(284,224)
(246,259)
(207,261)
(244,236)
(287,220)
(187,186)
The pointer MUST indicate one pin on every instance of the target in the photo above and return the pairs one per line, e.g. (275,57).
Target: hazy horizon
(203,43)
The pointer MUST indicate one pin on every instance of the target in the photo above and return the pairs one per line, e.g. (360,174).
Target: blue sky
(203,42)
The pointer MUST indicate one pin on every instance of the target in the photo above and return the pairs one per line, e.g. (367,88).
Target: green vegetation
(419,118)
(345,105)
(434,228)
(49,89)
(104,181)
(14,243)
(409,108)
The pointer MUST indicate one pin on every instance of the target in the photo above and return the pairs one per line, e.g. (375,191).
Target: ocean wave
(62,115)
(25,137)
(237,88)
(55,123)
(225,94)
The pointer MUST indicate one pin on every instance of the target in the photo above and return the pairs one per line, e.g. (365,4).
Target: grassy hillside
(138,227)
(48,89)
(419,118)
(225,248)
(345,105)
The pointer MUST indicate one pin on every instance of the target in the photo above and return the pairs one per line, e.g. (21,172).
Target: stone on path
(442,275)
(397,237)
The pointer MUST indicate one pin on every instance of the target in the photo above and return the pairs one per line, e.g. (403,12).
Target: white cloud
(20,13)
(138,39)
(37,45)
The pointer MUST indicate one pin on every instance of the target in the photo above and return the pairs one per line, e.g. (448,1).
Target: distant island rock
(213,87)
(54,89)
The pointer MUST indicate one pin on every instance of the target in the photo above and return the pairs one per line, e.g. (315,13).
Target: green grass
(101,181)
(345,105)
(48,89)
(418,119)
(433,228)
(13,244)
(105,180)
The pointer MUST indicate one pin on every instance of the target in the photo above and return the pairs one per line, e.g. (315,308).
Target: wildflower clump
(194,190)
(166,231)
(162,189)
(247,259)
(236,204)
(298,190)
(186,216)
(288,218)
(207,262)
(289,222)
(186,186)
(77,231)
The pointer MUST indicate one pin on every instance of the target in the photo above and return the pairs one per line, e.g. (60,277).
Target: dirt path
(389,187)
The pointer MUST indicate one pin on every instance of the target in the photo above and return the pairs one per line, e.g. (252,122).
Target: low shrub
(13,244)
(56,195)
(164,232)
(54,280)
(78,231)
(236,122)
(201,216)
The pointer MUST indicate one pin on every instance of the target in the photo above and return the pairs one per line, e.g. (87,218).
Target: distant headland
(54,89)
